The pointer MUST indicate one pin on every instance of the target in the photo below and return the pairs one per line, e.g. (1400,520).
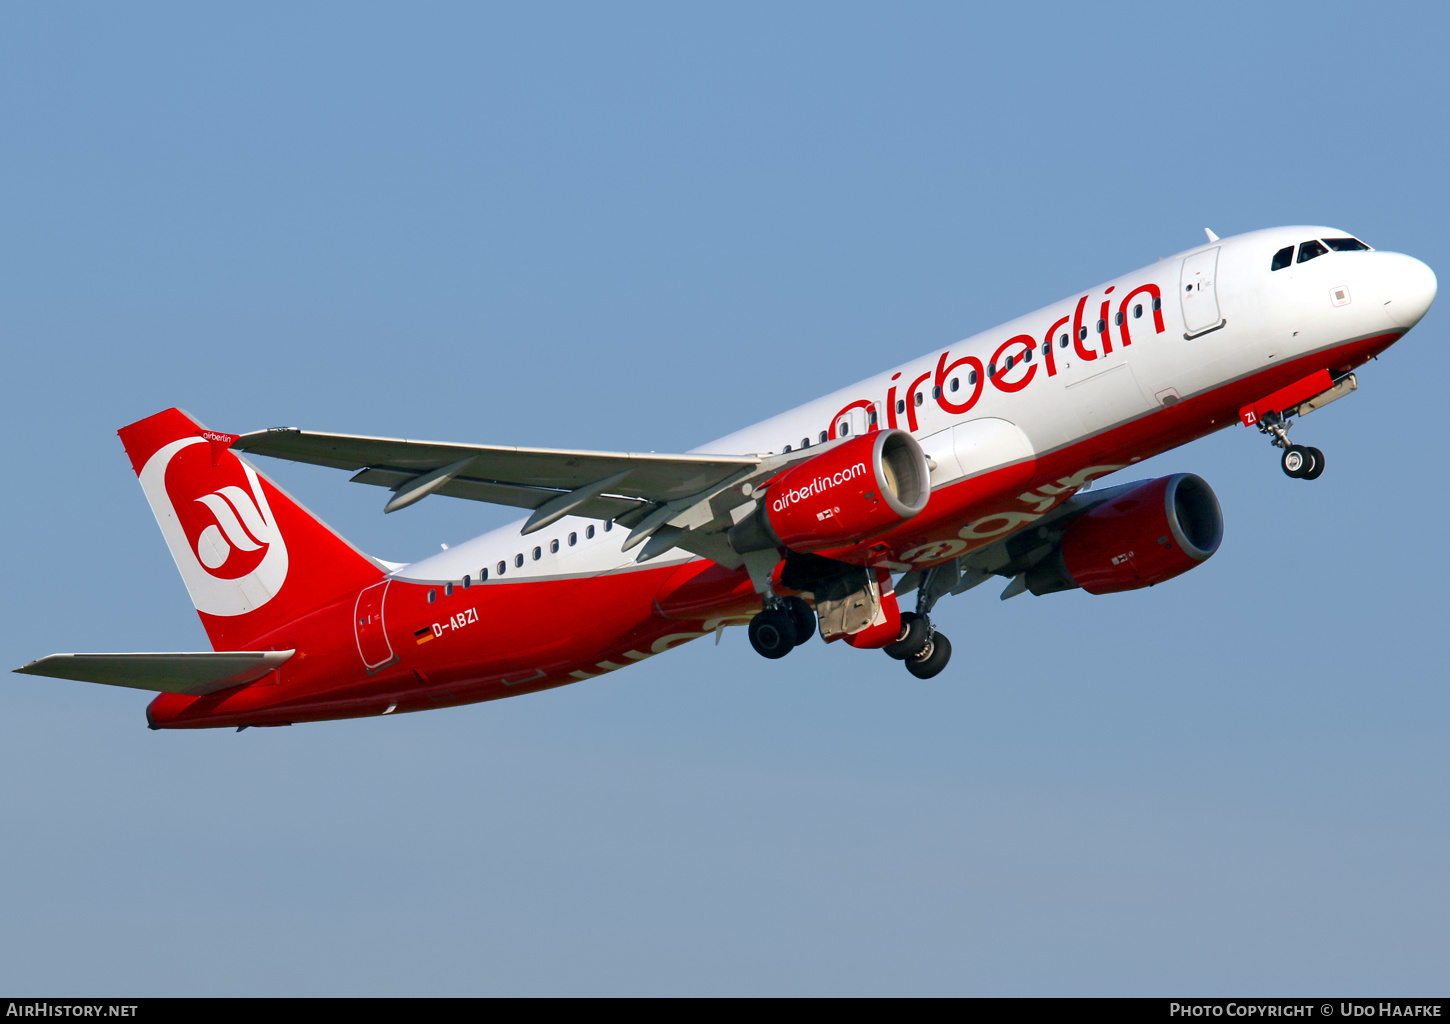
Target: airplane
(971,462)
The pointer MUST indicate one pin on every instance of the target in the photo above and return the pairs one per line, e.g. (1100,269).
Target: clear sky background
(643,227)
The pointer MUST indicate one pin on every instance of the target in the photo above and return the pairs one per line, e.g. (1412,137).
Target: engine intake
(852,492)
(1158,530)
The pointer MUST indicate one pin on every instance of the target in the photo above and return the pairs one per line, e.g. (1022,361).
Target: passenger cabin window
(467,582)
(448,590)
(1346,245)
(1062,341)
(553,547)
(787,449)
(502,566)
(824,436)
(917,398)
(805,442)
(900,406)
(518,561)
(483,574)
(537,553)
(972,378)
(589,533)
(432,596)
(1282,258)
(873,416)
(954,384)
(1082,334)
(845,428)
(1137,311)
(1310,249)
(573,538)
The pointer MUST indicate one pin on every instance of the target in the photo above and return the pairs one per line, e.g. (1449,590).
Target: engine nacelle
(1156,531)
(851,493)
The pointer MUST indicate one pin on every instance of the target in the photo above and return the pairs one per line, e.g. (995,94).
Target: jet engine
(845,495)
(1158,530)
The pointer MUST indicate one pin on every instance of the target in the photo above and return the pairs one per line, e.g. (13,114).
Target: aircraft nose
(1407,288)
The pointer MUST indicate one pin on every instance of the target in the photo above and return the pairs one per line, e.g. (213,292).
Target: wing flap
(496,493)
(191,673)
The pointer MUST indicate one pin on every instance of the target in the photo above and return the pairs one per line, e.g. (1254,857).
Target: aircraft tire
(772,633)
(1318,467)
(1296,461)
(804,617)
(915,632)
(930,662)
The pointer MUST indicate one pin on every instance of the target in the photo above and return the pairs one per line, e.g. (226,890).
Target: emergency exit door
(1198,288)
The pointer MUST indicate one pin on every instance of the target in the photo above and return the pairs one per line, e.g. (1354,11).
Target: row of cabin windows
(955,383)
(502,567)
(1315,248)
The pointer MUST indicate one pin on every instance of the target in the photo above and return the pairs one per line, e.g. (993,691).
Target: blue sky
(642,227)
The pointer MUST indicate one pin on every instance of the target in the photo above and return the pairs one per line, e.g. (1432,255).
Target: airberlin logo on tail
(239,518)
(218,525)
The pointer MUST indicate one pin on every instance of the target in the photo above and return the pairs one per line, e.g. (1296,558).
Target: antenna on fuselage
(1211,236)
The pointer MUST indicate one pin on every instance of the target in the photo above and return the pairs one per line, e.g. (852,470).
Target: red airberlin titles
(932,477)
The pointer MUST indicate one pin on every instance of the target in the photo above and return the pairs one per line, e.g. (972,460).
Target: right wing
(194,674)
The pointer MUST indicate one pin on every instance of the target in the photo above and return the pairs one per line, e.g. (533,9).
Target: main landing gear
(784,625)
(925,651)
(1298,461)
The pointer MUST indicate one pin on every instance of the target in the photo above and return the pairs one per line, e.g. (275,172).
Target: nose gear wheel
(1299,462)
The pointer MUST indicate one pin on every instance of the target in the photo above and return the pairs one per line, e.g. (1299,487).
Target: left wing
(683,501)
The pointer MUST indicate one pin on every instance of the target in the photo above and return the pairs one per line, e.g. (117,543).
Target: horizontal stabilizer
(193,674)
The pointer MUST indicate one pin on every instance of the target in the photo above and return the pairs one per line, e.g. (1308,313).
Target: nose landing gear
(1298,461)
(1302,463)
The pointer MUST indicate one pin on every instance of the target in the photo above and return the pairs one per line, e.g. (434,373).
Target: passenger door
(1198,288)
(372,635)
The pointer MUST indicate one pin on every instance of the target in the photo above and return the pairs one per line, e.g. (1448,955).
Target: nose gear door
(1198,289)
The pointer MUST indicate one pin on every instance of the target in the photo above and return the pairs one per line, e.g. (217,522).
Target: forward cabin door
(1198,289)
(372,636)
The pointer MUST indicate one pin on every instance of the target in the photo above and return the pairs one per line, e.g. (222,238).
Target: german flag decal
(423,635)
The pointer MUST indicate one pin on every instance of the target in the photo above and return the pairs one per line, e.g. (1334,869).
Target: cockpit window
(1346,245)
(1283,258)
(1310,249)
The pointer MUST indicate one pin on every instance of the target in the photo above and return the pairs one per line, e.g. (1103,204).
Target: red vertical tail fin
(251,557)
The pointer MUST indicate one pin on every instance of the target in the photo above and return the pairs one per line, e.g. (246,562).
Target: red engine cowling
(850,493)
(1156,531)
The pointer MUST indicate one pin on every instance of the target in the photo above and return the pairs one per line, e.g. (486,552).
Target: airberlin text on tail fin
(251,557)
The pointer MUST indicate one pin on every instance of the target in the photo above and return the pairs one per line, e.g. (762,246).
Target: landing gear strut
(1298,461)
